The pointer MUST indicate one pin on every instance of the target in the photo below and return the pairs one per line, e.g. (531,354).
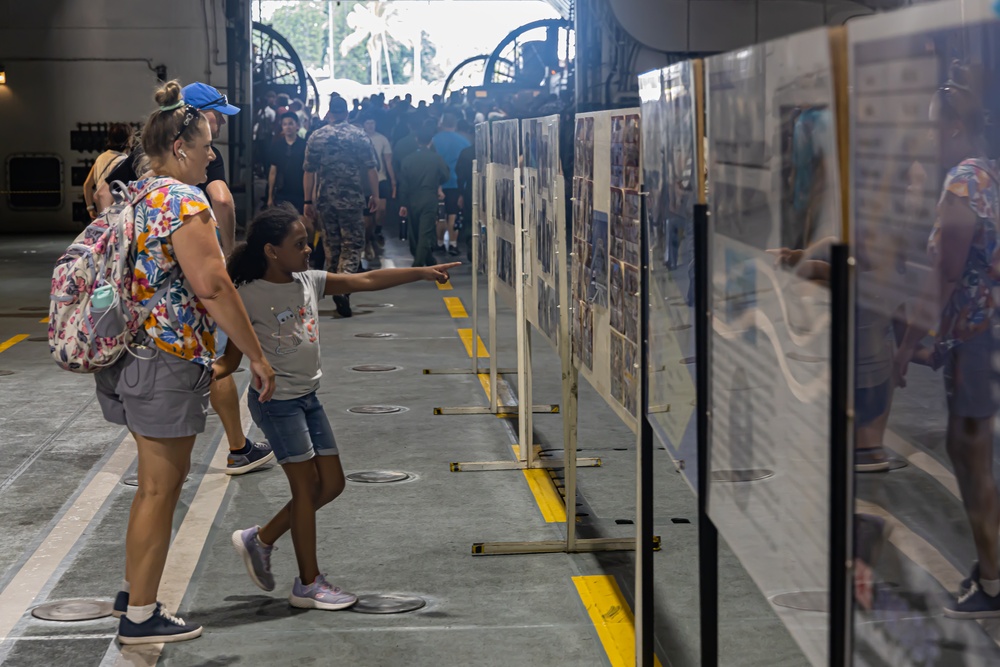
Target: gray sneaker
(258,454)
(256,558)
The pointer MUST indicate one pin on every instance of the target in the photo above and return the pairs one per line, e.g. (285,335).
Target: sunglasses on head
(222,101)
(190,113)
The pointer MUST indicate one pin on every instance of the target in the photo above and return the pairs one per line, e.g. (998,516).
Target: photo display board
(605,268)
(505,215)
(926,212)
(479,212)
(673,131)
(545,221)
(775,210)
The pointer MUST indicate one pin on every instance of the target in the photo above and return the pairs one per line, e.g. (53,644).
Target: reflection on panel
(926,218)
(505,214)
(479,214)
(672,130)
(775,210)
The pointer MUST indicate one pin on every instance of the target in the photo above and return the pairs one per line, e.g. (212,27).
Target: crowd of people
(196,303)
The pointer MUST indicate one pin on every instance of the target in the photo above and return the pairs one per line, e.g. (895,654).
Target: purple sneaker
(256,557)
(320,595)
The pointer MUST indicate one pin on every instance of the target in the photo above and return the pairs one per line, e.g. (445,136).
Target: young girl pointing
(282,298)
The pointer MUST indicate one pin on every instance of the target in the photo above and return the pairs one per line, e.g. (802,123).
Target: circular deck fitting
(379,476)
(375,334)
(376,409)
(39,339)
(388,603)
(803,601)
(78,609)
(375,305)
(897,464)
(748,475)
(133,480)
(807,358)
(35,309)
(375,368)
(3,373)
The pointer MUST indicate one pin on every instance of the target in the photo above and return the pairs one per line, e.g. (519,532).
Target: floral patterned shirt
(157,217)
(972,307)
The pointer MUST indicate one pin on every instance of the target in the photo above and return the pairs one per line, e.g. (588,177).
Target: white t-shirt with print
(285,318)
(382,147)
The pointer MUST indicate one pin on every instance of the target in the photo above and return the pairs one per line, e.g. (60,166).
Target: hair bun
(169,94)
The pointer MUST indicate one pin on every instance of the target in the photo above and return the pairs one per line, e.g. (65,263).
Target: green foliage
(304,25)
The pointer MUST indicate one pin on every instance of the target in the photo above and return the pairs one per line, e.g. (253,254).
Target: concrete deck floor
(413,537)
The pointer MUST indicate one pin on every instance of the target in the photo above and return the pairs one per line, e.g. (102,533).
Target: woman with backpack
(961,303)
(159,389)
(116,150)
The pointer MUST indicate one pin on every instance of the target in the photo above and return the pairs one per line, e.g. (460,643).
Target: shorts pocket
(138,375)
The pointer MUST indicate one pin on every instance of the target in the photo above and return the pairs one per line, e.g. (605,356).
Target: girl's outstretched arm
(372,281)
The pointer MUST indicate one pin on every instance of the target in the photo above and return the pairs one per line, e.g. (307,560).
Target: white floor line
(186,549)
(23,589)
(921,460)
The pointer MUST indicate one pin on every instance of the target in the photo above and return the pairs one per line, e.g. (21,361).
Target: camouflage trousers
(344,240)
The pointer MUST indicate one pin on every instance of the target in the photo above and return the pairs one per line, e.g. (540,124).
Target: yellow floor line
(11,342)
(45,321)
(445,285)
(466,336)
(484,379)
(550,503)
(611,616)
(455,307)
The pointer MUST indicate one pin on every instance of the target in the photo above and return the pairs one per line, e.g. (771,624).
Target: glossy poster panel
(671,132)
(605,269)
(480,212)
(544,221)
(926,214)
(505,216)
(774,200)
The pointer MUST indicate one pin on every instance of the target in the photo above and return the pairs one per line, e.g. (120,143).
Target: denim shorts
(297,429)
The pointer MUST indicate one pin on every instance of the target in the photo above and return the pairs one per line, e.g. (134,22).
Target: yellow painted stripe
(45,321)
(466,336)
(548,499)
(6,345)
(445,285)
(455,307)
(484,379)
(611,616)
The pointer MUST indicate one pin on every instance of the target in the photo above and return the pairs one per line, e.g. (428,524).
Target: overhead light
(3,76)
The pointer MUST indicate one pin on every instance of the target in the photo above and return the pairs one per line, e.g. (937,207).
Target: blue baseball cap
(204,97)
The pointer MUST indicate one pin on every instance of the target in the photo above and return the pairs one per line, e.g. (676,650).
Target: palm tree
(374,23)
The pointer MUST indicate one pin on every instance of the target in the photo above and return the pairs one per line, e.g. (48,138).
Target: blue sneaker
(121,604)
(969,580)
(160,628)
(256,558)
(320,595)
(254,455)
(974,604)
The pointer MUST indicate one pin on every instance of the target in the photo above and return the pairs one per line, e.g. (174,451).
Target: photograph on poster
(505,261)
(630,304)
(738,107)
(587,323)
(544,159)
(617,370)
(584,148)
(616,289)
(548,309)
(630,377)
(545,238)
(597,291)
(805,131)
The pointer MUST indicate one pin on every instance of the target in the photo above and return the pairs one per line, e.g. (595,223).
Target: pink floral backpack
(83,339)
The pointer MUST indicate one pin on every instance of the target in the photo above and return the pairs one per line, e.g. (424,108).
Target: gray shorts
(970,381)
(155,393)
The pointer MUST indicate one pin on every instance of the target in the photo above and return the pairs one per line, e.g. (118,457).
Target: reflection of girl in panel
(961,297)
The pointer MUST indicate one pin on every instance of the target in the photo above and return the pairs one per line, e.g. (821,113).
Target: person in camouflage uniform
(338,157)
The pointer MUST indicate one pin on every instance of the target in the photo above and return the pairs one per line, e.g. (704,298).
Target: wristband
(308,202)
(92,207)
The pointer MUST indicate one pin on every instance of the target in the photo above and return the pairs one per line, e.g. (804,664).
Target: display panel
(924,144)
(672,132)
(544,220)
(774,201)
(505,215)
(480,209)
(605,269)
